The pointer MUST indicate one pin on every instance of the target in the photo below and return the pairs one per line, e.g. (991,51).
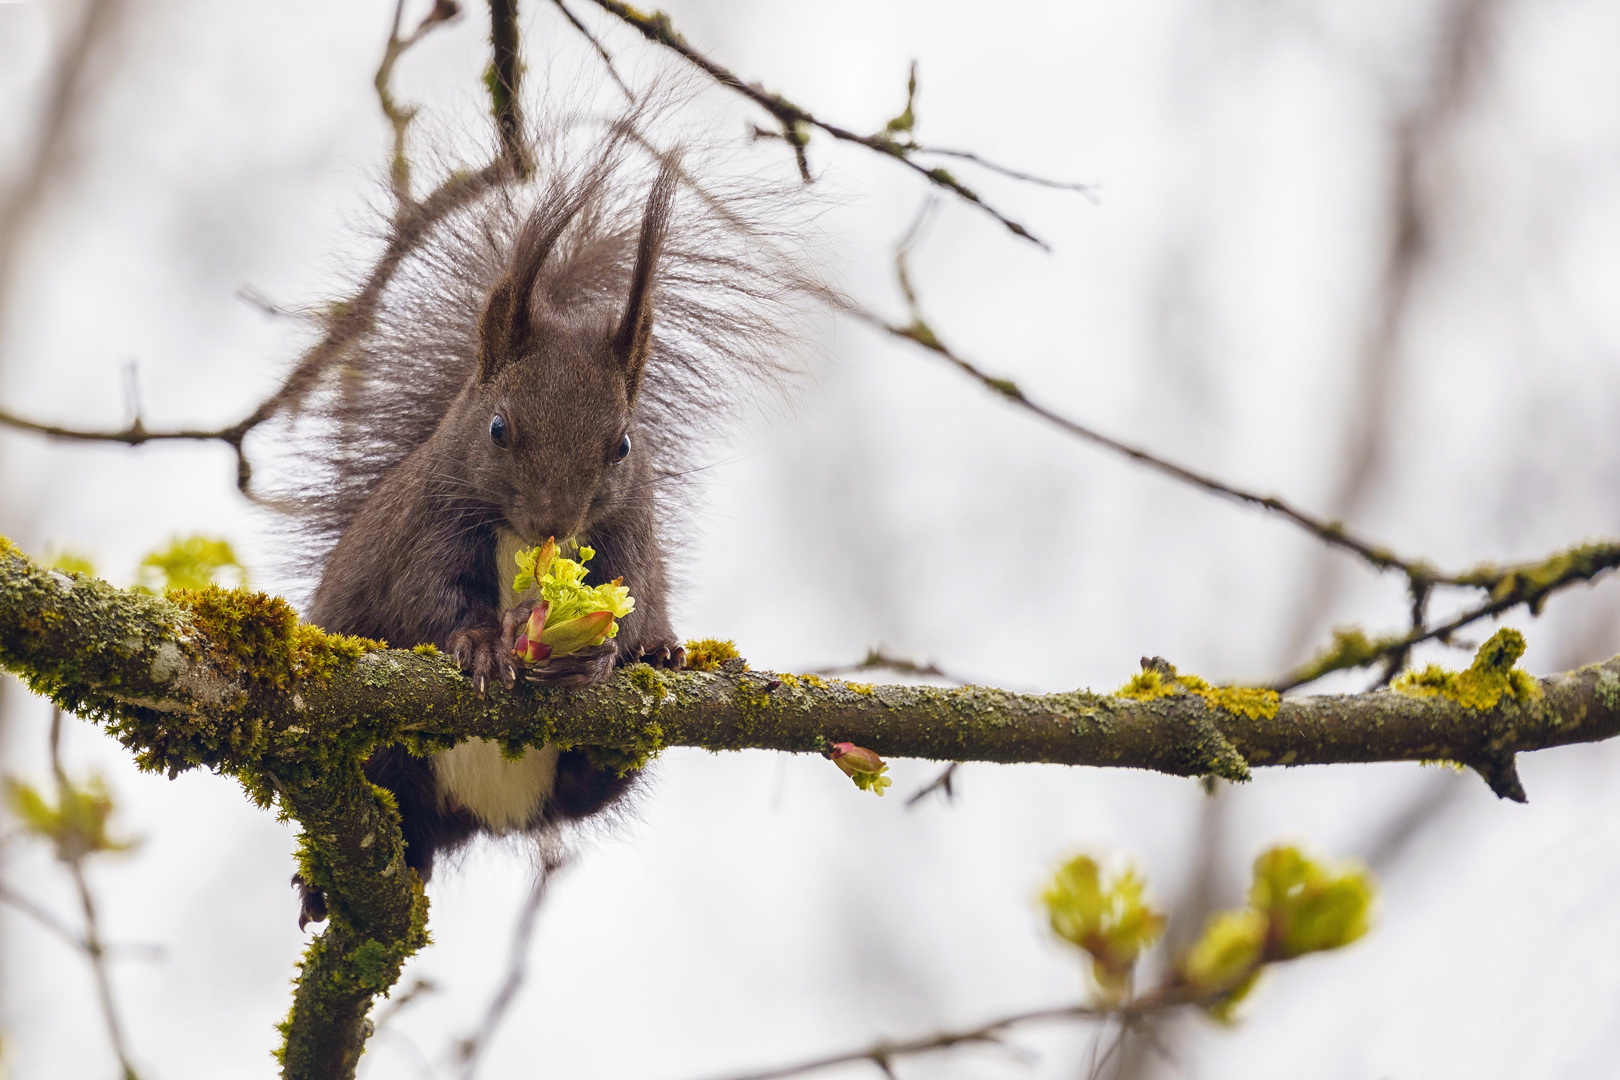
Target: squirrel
(543,366)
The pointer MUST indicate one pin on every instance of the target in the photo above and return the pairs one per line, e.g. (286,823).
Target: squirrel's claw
(665,654)
(479,654)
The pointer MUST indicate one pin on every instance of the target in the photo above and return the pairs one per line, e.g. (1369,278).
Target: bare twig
(93,945)
(400,116)
(1029,178)
(1529,583)
(795,121)
(944,783)
(596,43)
(878,660)
(882,1054)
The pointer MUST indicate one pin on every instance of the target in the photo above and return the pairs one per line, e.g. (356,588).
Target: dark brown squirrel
(543,367)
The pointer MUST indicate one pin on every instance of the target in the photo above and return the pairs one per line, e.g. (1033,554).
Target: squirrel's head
(555,394)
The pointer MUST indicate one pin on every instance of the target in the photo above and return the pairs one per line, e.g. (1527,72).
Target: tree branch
(351,318)
(231,680)
(505,83)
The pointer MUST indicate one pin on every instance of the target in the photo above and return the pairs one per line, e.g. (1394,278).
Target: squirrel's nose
(538,529)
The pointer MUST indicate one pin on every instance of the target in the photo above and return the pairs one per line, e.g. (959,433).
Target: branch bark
(231,680)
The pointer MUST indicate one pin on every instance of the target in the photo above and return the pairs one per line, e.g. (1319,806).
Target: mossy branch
(231,680)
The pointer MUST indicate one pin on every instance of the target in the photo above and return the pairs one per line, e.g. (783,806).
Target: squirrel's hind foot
(311,902)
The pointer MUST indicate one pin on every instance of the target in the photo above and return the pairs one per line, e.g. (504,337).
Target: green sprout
(1297,906)
(569,615)
(861,765)
(76,825)
(191,562)
(1110,920)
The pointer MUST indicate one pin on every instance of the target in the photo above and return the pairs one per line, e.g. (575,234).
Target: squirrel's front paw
(664,654)
(482,656)
(577,670)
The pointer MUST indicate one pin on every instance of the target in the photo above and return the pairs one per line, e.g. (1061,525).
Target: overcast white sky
(1214,302)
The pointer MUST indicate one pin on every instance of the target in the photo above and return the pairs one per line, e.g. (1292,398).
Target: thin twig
(795,121)
(400,116)
(42,916)
(93,946)
(1528,584)
(876,659)
(1088,190)
(945,782)
(882,1054)
(596,43)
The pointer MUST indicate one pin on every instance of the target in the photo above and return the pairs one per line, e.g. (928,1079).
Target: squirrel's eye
(622,451)
(497,431)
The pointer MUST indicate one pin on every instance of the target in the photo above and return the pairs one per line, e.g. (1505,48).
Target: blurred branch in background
(1296,906)
(75,825)
(66,96)
(468,1052)
(1529,584)
(400,116)
(70,80)
(1421,137)
(894,140)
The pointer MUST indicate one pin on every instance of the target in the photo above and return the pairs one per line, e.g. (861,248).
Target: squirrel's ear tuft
(633,341)
(507,326)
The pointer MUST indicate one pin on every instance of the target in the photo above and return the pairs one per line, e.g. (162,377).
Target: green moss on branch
(232,681)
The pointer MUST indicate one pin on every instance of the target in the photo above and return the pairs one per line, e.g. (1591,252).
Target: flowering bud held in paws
(570,615)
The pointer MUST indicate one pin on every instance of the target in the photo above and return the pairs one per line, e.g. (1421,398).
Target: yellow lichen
(1152,683)
(1482,685)
(1148,685)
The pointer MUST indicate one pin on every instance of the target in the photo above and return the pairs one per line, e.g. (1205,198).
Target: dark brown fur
(587,306)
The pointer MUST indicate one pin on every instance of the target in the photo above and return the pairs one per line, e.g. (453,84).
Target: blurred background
(1362,255)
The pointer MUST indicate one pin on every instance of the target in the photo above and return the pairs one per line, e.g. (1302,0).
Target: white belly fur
(503,794)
